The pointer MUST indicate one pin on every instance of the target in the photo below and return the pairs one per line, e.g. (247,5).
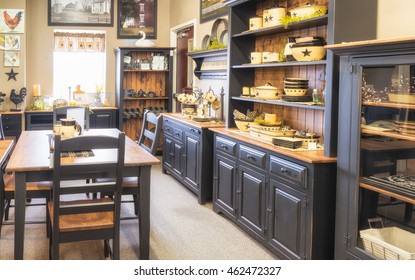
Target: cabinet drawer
(291,171)
(193,130)
(177,133)
(226,146)
(12,127)
(8,119)
(168,130)
(252,156)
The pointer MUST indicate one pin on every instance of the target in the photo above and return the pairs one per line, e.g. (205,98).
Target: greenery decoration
(287,20)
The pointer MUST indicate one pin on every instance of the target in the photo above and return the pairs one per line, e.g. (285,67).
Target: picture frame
(11,42)
(135,16)
(13,21)
(11,59)
(211,9)
(81,13)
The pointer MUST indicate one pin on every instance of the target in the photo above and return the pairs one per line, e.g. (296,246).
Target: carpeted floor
(181,229)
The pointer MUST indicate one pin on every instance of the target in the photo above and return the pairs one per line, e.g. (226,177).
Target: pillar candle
(36,90)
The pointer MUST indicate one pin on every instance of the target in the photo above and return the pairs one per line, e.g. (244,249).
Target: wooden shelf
(387,193)
(389,105)
(141,70)
(281,64)
(146,98)
(209,56)
(313,22)
(388,134)
(279,102)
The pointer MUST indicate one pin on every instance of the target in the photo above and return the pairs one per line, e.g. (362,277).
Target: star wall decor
(12,75)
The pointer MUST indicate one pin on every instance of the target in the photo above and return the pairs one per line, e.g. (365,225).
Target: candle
(36,90)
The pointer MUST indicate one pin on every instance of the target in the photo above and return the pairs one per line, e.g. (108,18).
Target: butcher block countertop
(306,156)
(203,125)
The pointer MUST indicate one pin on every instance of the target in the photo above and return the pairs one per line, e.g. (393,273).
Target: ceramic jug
(70,128)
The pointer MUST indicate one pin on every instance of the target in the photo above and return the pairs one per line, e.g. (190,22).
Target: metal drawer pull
(193,130)
(249,156)
(224,147)
(177,134)
(284,170)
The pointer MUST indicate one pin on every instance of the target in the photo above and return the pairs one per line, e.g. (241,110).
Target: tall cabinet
(283,198)
(376,166)
(143,81)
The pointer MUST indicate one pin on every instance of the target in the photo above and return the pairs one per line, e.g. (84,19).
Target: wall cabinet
(142,83)
(210,64)
(12,123)
(187,154)
(281,199)
(376,149)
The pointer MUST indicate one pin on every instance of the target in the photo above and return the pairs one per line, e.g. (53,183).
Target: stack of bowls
(295,86)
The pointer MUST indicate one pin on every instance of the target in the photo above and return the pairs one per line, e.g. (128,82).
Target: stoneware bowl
(295,91)
(308,51)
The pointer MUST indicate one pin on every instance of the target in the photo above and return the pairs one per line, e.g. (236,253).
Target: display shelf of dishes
(277,19)
(201,107)
(294,92)
(266,128)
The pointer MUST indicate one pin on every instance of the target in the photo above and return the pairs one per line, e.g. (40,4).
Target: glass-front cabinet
(376,150)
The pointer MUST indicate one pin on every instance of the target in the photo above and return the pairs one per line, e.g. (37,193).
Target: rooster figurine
(12,23)
(17,98)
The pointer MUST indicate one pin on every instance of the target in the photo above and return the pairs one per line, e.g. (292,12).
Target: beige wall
(396,18)
(40,43)
(7,86)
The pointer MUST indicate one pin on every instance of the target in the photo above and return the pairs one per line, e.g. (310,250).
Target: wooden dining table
(31,162)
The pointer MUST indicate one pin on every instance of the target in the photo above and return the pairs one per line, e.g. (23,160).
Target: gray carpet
(181,229)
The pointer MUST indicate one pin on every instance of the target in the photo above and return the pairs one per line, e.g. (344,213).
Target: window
(78,59)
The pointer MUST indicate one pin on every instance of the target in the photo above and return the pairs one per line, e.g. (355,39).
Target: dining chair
(149,139)
(7,188)
(74,217)
(62,112)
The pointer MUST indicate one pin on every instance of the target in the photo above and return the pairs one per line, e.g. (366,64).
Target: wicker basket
(389,243)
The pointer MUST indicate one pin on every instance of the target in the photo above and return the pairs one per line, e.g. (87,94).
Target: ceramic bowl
(310,51)
(307,10)
(295,91)
(268,92)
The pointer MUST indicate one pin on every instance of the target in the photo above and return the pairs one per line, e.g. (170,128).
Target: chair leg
(136,205)
(6,209)
(1,213)
(106,248)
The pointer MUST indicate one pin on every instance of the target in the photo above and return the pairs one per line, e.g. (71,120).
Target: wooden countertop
(11,113)
(309,156)
(51,111)
(202,125)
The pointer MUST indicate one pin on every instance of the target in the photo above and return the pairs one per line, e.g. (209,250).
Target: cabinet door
(168,153)
(102,119)
(224,192)
(191,161)
(177,159)
(251,193)
(287,220)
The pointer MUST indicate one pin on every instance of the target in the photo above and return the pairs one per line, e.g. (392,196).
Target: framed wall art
(211,9)
(135,16)
(81,13)
(12,21)
(12,42)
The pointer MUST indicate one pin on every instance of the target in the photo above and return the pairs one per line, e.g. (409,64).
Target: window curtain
(79,42)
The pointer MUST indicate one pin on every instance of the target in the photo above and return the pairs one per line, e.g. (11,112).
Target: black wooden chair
(61,112)
(149,139)
(7,189)
(83,218)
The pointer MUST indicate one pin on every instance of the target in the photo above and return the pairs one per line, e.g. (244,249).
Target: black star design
(266,19)
(11,75)
(270,18)
(252,25)
(306,53)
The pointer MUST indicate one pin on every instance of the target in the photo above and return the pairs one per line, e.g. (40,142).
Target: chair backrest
(150,132)
(69,177)
(2,137)
(61,112)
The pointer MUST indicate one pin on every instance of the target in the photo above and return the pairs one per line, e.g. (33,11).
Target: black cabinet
(375,194)
(12,123)
(283,202)
(187,153)
(98,118)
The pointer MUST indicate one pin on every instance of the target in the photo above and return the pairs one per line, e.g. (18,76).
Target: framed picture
(12,21)
(12,42)
(11,58)
(211,9)
(135,16)
(81,13)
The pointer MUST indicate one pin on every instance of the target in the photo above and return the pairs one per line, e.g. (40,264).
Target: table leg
(20,212)
(144,212)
